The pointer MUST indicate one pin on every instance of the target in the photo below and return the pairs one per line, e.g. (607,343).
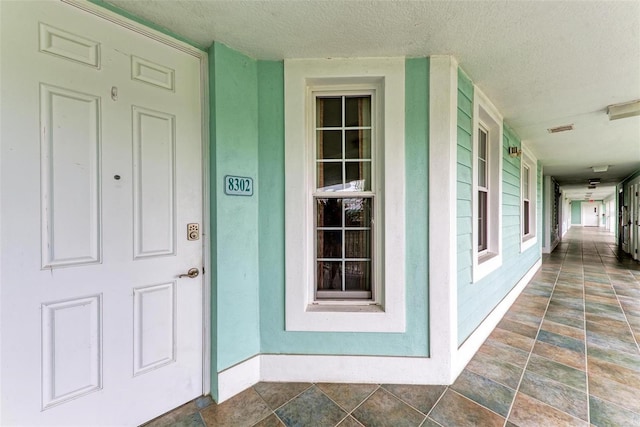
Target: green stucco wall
(274,338)
(477,300)
(234,219)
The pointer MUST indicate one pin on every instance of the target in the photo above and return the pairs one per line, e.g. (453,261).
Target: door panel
(70,177)
(100,174)
(590,214)
(153,183)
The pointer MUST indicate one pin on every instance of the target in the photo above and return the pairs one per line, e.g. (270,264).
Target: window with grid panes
(343,196)
(526,209)
(483,189)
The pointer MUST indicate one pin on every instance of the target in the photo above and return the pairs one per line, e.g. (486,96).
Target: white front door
(100,176)
(590,215)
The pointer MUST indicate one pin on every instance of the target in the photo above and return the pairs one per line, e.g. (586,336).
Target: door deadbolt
(193,272)
(193,231)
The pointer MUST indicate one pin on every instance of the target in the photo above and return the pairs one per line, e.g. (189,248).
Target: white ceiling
(543,63)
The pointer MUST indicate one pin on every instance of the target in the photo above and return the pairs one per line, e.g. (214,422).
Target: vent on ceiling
(593,181)
(560,128)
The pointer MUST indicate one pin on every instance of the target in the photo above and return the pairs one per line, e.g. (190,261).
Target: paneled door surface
(590,214)
(101,174)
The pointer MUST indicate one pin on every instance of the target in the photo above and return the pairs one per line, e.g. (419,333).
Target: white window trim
(388,312)
(531,161)
(486,113)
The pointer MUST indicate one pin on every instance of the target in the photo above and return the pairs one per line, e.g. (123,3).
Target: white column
(443,106)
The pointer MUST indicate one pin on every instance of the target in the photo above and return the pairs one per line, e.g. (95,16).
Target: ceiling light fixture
(627,109)
(593,181)
(563,128)
(600,168)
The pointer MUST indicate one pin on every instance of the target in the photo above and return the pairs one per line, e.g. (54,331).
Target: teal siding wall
(234,251)
(273,337)
(477,300)
(464,182)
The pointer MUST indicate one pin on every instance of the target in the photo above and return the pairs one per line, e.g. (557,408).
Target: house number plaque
(238,185)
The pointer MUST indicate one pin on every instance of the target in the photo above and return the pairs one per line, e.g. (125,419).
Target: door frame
(129,24)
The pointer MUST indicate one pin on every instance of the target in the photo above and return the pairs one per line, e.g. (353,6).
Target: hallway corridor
(566,353)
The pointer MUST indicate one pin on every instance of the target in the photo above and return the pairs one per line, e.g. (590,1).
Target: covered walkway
(565,354)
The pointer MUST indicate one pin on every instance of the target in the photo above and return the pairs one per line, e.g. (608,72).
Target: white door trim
(206,214)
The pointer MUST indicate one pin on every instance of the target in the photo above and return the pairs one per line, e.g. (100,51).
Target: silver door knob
(193,272)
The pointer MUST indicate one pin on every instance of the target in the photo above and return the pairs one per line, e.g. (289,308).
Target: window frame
(387,312)
(483,249)
(527,160)
(372,90)
(486,116)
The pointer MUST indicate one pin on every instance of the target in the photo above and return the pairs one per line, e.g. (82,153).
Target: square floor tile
(496,370)
(625,396)
(384,409)
(347,396)
(456,410)
(529,412)
(312,408)
(277,394)
(605,414)
(564,374)
(555,394)
(484,391)
(244,409)
(421,397)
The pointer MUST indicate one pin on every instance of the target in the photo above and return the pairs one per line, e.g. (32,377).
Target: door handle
(193,272)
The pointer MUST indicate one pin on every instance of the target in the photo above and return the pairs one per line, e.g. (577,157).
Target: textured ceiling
(543,63)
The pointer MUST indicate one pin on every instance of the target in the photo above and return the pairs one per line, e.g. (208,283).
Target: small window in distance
(529,191)
(526,230)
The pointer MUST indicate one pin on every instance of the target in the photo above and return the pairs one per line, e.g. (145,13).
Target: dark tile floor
(565,354)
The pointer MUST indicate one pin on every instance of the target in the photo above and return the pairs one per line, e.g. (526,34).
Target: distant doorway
(590,214)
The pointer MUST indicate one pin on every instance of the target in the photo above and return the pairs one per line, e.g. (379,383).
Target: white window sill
(485,264)
(345,308)
(528,242)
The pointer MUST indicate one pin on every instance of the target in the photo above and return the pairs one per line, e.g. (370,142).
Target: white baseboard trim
(365,369)
(237,378)
(354,369)
(469,348)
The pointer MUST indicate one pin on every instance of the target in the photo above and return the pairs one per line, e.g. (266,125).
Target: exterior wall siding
(477,300)
(465,177)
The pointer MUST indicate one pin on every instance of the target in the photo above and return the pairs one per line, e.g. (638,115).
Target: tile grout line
(409,404)
(349,413)
(436,402)
(524,369)
(586,347)
(273,411)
